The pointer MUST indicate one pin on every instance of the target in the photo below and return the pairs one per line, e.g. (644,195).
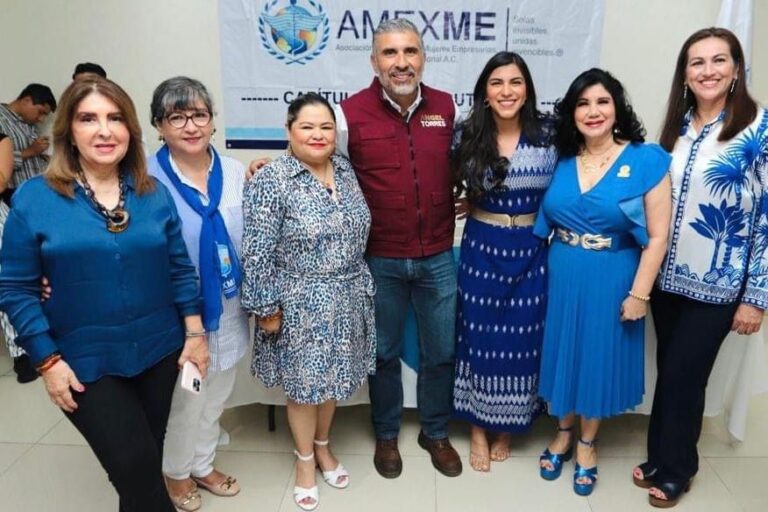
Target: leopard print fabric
(303,252)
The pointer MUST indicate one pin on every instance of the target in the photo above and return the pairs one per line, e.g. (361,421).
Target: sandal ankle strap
(304,458)
(321,443)
(567,429)
(590,444)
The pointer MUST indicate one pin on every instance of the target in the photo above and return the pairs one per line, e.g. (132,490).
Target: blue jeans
(429,286)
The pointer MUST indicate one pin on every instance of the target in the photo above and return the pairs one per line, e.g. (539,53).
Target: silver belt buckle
(568,237)
(586,241)
(595,242)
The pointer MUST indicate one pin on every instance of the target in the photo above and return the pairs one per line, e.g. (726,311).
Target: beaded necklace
(117,218)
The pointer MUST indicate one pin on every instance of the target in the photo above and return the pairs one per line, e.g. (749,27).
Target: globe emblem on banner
(294,34)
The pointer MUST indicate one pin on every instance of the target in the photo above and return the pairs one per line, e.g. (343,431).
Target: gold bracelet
(194,334)
(644,298)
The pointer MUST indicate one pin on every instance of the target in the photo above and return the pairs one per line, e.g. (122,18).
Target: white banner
(273,50)
(736,16)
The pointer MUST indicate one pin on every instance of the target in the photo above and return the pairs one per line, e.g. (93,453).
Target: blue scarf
(219,266)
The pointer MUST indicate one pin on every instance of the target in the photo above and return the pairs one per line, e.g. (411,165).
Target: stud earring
(486,103)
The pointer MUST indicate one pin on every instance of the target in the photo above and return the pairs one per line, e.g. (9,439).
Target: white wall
(142,42)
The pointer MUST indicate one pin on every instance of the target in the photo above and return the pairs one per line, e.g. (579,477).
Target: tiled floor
(46,466)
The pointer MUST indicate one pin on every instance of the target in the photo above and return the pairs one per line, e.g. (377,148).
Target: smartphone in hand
(191,379)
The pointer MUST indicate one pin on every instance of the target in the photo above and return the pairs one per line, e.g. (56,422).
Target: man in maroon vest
(397,133)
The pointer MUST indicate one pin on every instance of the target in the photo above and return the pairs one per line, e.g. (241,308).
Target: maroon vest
(404,171)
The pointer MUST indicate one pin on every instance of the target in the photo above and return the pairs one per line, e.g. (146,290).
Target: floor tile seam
(731,494)
(286,487)
(56,424)
(16,460)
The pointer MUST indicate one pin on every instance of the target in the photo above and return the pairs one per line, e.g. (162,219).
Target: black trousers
(124,420)
(689,334)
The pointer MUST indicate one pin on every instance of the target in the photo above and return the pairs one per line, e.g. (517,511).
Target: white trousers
(193,426)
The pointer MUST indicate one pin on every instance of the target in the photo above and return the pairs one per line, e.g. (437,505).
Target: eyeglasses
(200,119)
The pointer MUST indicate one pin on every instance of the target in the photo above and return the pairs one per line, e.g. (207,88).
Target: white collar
(410,110)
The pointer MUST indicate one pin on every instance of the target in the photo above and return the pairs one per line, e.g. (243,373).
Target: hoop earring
(733,85)
(288,150)
(685,92)
(161,138)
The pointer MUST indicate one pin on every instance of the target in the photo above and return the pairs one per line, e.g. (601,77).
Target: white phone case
(191,379)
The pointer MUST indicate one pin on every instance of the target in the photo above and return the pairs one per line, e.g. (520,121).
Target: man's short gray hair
(396,25)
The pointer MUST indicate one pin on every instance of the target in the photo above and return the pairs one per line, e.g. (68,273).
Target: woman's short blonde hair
(65,163)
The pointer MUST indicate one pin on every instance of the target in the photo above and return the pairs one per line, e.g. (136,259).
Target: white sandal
(302,493)
(332,477)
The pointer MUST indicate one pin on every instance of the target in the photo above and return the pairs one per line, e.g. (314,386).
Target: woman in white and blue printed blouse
(714,278)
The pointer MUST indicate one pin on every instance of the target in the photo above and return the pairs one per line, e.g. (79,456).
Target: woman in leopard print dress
(306,227)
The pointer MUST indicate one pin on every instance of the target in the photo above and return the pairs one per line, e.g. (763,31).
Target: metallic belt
(591,241)
(502,219)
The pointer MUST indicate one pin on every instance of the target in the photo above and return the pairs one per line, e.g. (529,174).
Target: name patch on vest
(433,121)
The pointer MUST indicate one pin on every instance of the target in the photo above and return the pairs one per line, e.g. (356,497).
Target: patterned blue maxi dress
(303,252)
(502,301)
(592,363)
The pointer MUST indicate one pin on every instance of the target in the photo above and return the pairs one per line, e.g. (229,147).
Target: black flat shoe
(649,472)
(673,492)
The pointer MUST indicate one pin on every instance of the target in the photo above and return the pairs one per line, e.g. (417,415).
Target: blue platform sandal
(589,473)
(556,459)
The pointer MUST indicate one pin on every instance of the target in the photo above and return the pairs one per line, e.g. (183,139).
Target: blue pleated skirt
(591,363)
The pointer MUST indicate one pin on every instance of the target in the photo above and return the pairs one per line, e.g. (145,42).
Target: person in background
(714,278)
(9,333)
(125,313)
(207,189)
(88,68)
(397,134)
(17,121)
(504,159)
(6,161)
(608,209)
(306,227)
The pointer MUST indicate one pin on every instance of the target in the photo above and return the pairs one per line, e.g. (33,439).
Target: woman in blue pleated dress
(504,158)
(608,211)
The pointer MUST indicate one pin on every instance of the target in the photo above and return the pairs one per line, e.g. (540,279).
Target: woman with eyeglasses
(208,191)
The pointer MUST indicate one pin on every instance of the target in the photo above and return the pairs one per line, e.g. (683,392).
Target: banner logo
(293,34)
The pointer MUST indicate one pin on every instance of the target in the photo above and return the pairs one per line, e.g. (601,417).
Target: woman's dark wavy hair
(740,108)
(477,149)
(569,139)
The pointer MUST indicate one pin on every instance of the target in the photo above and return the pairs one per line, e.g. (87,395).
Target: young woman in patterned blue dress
(306,228)
(504,160)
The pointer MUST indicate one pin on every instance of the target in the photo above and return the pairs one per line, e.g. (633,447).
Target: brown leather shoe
(444,457)
(387,458)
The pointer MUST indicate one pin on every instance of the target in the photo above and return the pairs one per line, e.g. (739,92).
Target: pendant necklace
(117,218)
(326,181)
(591,168)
